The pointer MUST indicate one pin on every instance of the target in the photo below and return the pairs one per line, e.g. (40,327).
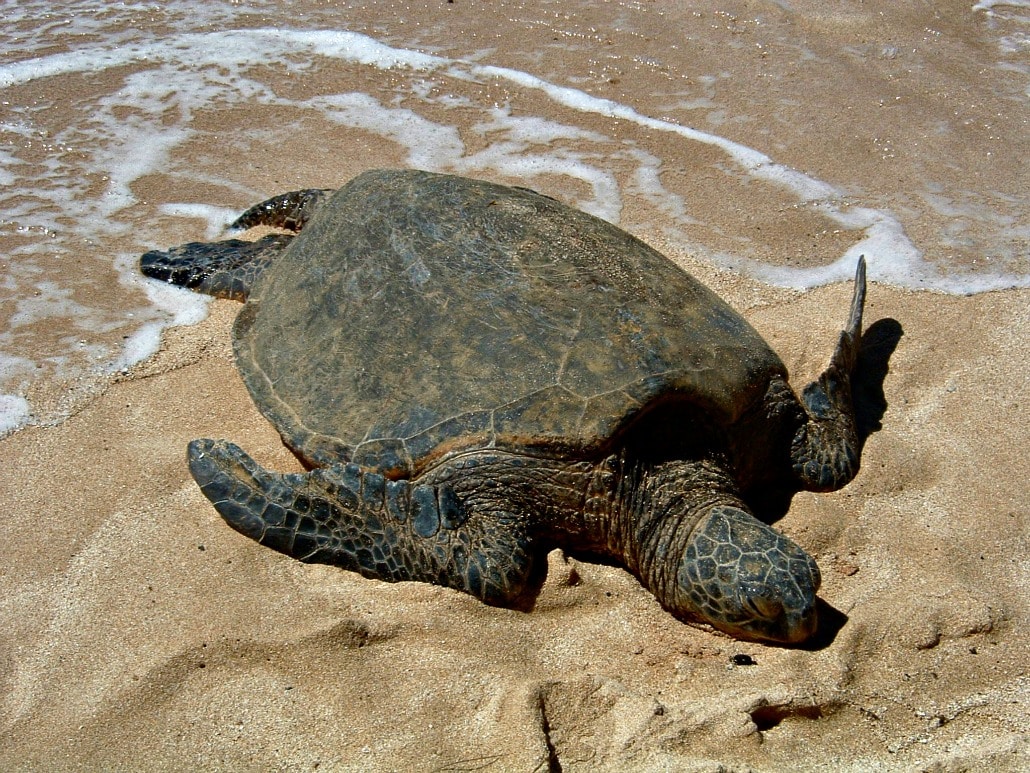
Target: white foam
(436,146)
(216,219)
(13,367)
(254,46)
(525,147)
(533,130)
(181,307)
(232,47)
(647,183)
(894,258)
(990,5)
(431,146)
(512,160)
(7,160)
(1018,42)
(512,150)
(150,152)
(49,300)
(14,413)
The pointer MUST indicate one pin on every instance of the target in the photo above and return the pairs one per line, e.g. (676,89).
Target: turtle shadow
(879,342)
(831,622)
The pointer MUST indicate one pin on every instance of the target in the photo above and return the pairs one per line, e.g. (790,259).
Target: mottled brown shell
(419,314)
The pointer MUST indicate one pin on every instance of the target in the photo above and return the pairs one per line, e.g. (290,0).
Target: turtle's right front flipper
(356,519)
(225,269)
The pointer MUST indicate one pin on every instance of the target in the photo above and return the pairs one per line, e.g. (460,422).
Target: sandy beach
(139,632)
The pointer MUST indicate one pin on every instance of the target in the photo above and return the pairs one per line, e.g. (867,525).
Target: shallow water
(779,139)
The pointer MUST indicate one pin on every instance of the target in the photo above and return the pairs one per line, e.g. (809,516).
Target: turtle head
(746,579)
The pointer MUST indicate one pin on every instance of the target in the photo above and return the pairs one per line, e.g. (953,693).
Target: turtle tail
(825,450)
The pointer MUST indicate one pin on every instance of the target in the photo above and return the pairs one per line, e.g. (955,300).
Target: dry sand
(139,632)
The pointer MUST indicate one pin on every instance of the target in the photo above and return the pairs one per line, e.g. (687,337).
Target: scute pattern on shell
(418,314)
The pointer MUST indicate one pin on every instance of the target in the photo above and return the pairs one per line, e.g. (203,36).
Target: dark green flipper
(288,210)
(227,269)
(224,269)
(350,517)
(825,451)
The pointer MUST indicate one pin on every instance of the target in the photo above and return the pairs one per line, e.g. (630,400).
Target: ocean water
(778,139)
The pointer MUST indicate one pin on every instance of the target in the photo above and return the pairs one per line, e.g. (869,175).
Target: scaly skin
(825,451)
(224,269)
(290,211)
(479,522)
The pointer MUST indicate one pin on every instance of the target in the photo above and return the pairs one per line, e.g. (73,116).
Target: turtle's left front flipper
(225,269)
(825,450)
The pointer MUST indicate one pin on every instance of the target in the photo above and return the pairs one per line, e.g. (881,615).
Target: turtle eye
(764,606)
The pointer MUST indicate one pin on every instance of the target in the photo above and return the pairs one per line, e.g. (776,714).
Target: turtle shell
(420,314)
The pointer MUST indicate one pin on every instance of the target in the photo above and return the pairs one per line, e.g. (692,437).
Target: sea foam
(891,255)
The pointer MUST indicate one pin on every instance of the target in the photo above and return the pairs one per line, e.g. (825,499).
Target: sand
(139,632)
(142,633)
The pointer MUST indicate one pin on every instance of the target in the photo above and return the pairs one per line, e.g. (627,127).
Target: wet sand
(138,632)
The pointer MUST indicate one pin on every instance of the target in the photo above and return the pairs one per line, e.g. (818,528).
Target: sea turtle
(473,374)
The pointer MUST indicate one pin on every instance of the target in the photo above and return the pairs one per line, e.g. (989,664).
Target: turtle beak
(787,626)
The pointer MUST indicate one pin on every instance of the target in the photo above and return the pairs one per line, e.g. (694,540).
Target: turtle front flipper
(356,519)
(290,211)
(225,269)
(825,451)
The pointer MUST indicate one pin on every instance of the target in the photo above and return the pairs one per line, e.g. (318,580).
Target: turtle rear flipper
(825,451)
(356,519)
(290,211)
(225,269)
